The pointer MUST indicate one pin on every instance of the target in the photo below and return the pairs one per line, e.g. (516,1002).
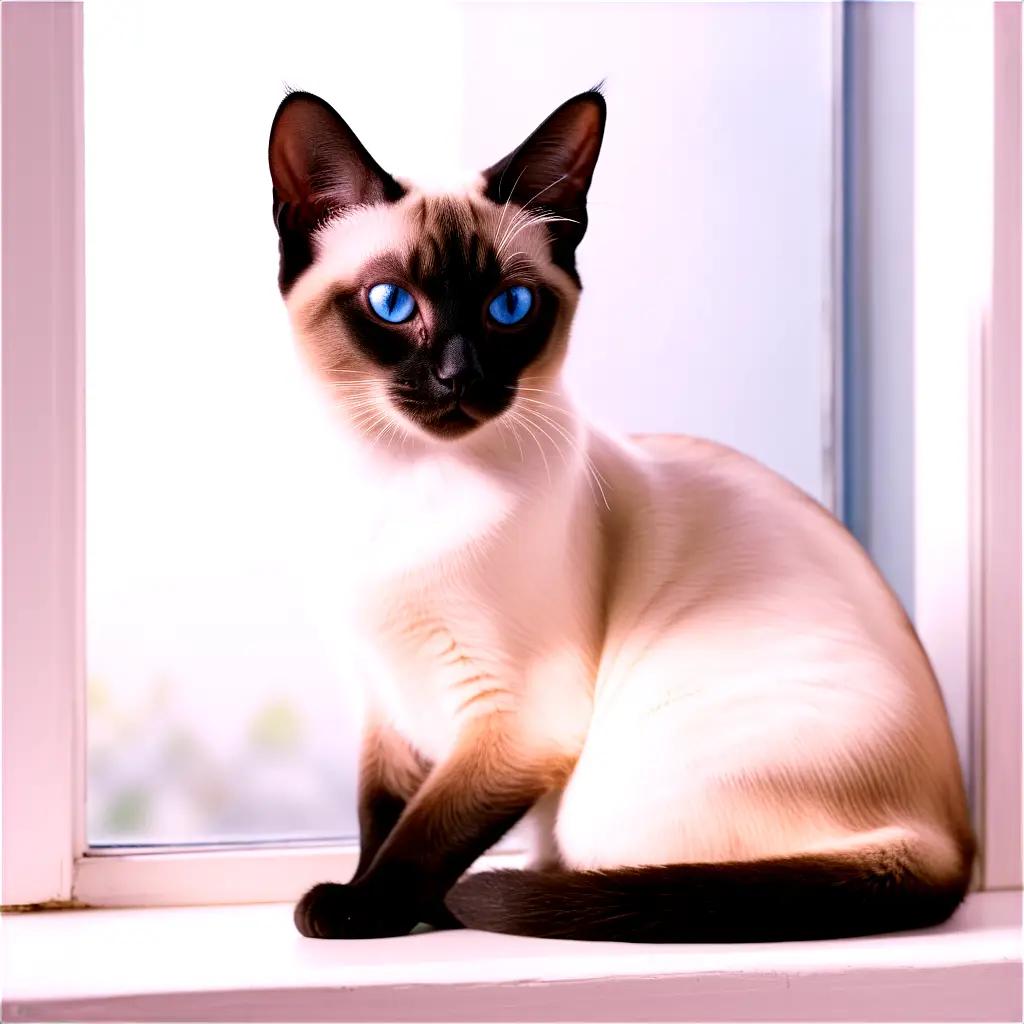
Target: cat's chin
(446,424)
(451,425)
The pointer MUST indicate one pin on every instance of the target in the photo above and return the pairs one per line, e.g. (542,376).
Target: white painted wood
(192,877)
(231,874)
(248,963)
(952,292)
(42,418)
(1001,524)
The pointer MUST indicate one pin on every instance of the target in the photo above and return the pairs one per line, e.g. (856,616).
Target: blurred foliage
(155,776)
(276,728)
(128,809)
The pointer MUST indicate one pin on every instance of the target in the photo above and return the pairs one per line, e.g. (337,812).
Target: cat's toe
(320,914)
(333,911)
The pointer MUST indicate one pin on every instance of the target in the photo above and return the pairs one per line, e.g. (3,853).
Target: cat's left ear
(319,168)
(550,173)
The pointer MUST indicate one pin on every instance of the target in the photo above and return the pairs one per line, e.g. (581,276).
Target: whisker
(532,220)
(588,463)
(368,427)
(547,419)
(515,436)
(546,405)
(509,197)
(380,431)
(558,448)
(366,403)
(520,419)
(541,391)
(526,206)
(393,432)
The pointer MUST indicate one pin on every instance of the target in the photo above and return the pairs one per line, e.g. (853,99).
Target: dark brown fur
(810,897)
(462,808)
(390,774)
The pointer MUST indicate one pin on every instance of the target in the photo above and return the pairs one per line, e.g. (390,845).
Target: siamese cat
(683,669)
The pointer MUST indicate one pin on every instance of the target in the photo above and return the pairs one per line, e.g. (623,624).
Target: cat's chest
(447,653)
(417,519)
(439,657)
(465,602)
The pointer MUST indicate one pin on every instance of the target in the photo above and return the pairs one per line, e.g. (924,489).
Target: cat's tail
(806,897)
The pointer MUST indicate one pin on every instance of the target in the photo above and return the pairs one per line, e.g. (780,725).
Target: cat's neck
(523,471)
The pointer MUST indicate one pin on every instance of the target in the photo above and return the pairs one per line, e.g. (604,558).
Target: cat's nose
(458,368)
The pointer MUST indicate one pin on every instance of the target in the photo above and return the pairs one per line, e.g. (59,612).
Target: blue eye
(391,303)
(511,305)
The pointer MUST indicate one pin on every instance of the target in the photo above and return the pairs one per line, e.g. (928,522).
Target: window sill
(247,963)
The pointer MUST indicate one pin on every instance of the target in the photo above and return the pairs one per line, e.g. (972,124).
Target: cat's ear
(319,168)
(550,173)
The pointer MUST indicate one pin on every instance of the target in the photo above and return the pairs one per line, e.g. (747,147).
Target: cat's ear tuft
(319,168)
(552,170)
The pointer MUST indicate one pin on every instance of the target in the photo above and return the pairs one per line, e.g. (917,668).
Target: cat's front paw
(333,911)
(316,913)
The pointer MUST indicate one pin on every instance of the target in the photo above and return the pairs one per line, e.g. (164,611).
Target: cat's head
(422,310)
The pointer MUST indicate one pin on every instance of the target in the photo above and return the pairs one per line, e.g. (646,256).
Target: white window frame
(968,585)
(967,449)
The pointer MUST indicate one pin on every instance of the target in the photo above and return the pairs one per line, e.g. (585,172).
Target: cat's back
(706,469)
(715,536)
(699,492)
(715,500)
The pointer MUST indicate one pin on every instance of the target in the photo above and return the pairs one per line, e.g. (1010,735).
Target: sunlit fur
(710,656)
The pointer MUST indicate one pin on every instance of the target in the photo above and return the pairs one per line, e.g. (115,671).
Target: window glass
(219,703)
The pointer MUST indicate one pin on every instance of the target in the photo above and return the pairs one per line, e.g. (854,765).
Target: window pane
(220,705)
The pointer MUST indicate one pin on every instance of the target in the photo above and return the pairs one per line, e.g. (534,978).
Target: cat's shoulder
(701,455)
(697,461)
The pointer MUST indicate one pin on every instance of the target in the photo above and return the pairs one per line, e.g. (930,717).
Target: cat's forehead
(457,233)
(450,236)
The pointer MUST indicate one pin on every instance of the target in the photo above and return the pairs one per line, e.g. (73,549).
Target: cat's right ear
(319,169)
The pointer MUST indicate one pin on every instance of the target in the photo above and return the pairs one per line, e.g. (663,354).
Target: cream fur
(725,667)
